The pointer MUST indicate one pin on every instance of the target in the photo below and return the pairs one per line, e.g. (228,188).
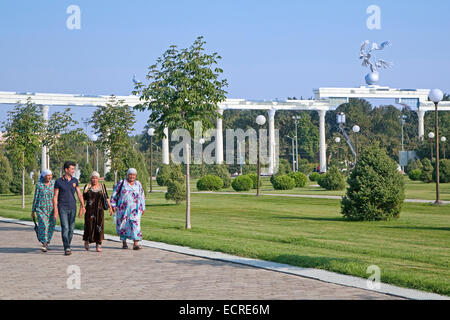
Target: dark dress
(94,216)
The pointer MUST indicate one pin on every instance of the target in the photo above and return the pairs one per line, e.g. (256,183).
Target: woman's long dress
(43,206)
(94,220)
(130,205)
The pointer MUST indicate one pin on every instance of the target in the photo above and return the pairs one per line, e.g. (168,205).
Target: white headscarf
(131,171)
(95,174)
(45,173)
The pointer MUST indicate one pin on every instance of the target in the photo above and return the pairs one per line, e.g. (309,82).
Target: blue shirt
(66,196)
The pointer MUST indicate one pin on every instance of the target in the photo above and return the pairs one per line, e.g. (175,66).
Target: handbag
(105,199)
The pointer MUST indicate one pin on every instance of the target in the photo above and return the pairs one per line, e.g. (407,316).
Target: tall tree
(184,87)
(112,124)
(24,135)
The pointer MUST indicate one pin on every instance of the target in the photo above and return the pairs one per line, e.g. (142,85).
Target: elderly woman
(94,195)
(128,200)
(43,208)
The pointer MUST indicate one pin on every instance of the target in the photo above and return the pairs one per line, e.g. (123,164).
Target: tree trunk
(115,177)
(23,180)
(188,188)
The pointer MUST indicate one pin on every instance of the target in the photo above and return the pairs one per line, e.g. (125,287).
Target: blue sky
(270,49)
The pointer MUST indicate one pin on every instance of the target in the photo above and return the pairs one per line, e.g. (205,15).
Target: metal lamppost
(444,140)
(260,120)
(86,121)
(202,142)
(436,96)
(293,153)
(338,141)
(356,130)
(431,136)
(95,138)
(296,118)
(151,133)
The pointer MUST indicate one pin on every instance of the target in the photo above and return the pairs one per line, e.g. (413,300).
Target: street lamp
(436,95)
(443,140)
(431,136)
(293,153)
(403,121)
(338,141)
(356,130)
(296,118)
(86,122)
(151,133)
(260,120)
(95,138)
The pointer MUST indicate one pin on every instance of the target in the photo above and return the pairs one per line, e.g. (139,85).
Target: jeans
(67,218)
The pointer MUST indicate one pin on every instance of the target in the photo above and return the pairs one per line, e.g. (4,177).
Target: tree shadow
(311,262)
(418,228)
(314,218)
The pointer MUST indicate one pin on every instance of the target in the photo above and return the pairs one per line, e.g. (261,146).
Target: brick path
(28,273)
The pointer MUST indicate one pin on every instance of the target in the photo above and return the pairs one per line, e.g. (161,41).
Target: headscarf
(95,174)
(44,173)
(131,171)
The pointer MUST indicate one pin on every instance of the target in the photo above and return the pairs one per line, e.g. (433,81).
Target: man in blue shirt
(65,205)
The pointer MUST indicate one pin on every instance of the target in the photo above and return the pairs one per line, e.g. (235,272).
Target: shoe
(137,247)
(68,252)
(44,247)
(99,248)
(125,246)
(86,246)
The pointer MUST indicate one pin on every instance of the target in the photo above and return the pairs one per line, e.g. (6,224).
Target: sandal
(86,246)
(44,248)
(124,246)
(137,247)
(99,248)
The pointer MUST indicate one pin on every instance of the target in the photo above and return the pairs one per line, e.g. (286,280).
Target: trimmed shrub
(16,183)
(283,182)
(242,183)
(221,171)
(415,174)
(6,174)
(413,165)
(315,176)
(427,171)
(299,178)
(376,189)
(176,191)
(332,180)
(209,183)
(169,173)
(444,171)
(305,167)
(254,178)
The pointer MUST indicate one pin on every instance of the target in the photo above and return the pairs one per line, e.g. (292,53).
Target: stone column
(165,147)
(322,143)
(219,140)
(271,113)
(421,117)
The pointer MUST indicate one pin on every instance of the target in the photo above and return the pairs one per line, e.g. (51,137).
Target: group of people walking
(53,199)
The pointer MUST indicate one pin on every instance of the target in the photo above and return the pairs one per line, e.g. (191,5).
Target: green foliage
(427,171)
(332,180)
(221,171)
(135,159)
(284,167)
(413,165)
(254,178)
(444,171)
(415,174)
(109,176)
(6,174)
(85,171)
(305,167)
(300,179)
(210,183)
(376,189)
(16,183)
(283,182)
(169,173)
(176,191)
(314,176)
(242,183)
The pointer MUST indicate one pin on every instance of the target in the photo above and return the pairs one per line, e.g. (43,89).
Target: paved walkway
(28,273)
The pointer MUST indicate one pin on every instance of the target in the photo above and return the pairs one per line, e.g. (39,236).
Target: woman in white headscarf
(128,201)
(95,195)
(43,208)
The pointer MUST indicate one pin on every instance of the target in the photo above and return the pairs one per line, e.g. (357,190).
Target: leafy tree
(6,174)
(376,189)
(112,124)
(184,88)
(24,133)
(332,180)
(176,191)
(427,171)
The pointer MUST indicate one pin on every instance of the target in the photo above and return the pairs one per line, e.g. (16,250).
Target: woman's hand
(33,215)
(56,213)
(111,211)
(81,212)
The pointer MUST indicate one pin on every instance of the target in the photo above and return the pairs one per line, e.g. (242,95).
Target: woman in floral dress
(128,201)
(43,208)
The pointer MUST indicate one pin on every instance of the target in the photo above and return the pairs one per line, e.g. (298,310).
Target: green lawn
(414,189)
(413,251)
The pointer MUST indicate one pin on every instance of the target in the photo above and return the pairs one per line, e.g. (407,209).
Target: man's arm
(80,197)
(55,203)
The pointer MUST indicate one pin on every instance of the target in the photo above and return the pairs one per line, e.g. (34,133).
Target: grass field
(413,251)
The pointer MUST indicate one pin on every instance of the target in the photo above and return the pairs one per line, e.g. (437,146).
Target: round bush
(332,180)
(444,171)
(415,175)
(315,176)
(283,183)
(427,171)
(376,189)
(254,178)
(210,183)
(242,183)
(299,178)
(221,171)
(176,191)
(169,173)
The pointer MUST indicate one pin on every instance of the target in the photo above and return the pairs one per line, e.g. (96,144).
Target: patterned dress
(94,219)
(43,206)
(130,204)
